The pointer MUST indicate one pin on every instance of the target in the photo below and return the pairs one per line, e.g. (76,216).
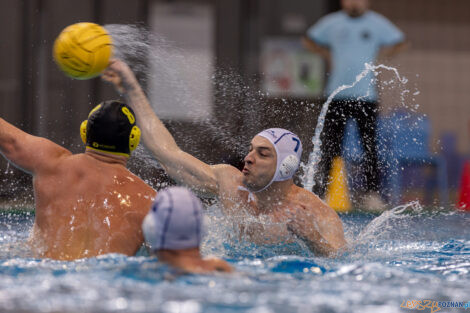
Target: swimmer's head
(274,156)
(111,128)
(175,220)
(355,8)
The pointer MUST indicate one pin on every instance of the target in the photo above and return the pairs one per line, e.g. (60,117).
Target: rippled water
(409,254)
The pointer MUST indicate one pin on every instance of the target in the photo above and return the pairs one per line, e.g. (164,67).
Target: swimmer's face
(260,164)
(355,8)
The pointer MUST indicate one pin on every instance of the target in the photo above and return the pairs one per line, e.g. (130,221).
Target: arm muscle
(181,166)
(30,153)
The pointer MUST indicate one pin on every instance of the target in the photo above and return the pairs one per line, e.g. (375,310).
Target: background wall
(437,63)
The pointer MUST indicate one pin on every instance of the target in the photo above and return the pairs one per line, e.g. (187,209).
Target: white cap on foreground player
(175,220)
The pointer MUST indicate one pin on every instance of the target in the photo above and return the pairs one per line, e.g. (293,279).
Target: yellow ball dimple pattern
(83,50)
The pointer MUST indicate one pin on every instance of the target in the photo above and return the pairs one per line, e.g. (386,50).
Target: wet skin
(86,204)
(190,261)
(282,211)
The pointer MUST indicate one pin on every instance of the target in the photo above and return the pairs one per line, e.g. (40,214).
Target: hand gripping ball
(83,50)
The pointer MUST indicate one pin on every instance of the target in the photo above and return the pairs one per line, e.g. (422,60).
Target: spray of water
(160,66)
(310,168)
(377,224)
(140,48)
(153,58)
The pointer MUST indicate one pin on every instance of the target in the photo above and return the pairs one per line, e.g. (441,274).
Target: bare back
(86,207)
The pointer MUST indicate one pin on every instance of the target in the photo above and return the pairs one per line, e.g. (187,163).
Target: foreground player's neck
(107,157)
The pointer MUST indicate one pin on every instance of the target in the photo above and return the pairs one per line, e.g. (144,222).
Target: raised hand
(121,76)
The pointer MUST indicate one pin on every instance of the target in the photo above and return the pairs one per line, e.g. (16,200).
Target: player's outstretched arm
(30,153)
(180,165)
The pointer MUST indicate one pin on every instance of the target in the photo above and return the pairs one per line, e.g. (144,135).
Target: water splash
(153,58)
(310,169)
(8,168)
(377,224)
(231,236)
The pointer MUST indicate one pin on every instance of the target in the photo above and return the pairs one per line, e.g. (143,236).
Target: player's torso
(254,225)
(86,208)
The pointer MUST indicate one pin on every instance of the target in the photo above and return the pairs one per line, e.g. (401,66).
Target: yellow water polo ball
(83,50)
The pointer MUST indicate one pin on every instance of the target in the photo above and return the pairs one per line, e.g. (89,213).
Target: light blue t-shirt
(352,43)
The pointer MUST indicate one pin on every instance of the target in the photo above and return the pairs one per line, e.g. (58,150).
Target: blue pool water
(405,254)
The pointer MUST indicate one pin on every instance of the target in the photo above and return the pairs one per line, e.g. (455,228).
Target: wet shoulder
(308,198)
(227,176)
(303,194)
(67,165)
(126,180)
(83,168)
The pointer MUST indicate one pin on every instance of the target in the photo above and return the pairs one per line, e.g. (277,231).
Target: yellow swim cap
(111,127)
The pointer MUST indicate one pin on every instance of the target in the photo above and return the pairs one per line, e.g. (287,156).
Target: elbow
(328,249)
(328,252)
(9,147)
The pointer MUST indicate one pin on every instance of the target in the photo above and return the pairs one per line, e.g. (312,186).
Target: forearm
(390,51)
(181,166)
(321,246)
(155,135)
(312,46)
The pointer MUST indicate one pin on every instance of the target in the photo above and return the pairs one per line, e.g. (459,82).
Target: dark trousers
(365,113)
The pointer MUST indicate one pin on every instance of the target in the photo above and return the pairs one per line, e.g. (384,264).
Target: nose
(249,158)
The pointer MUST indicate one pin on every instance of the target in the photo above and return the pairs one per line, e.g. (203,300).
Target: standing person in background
(348,39)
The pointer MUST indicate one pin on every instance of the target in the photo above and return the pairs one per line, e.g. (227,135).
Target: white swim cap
(288,150)
(175,220)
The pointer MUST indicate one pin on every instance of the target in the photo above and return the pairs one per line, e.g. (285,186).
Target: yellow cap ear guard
(134,138)
(83,130)
(85,123)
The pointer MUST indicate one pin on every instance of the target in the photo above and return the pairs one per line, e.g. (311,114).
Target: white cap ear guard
(288,150)
(288,167)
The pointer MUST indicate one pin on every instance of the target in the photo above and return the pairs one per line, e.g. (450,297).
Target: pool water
(403,255)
